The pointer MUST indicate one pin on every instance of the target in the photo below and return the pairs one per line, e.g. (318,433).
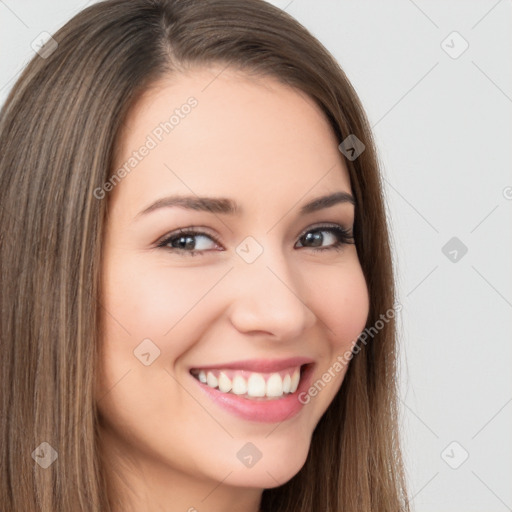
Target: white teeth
(256,385)
(211,380)
(295,381)
(239,385)
(286,383)
(224,383)
(274,387)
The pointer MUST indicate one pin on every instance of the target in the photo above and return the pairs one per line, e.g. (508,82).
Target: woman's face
(258,299)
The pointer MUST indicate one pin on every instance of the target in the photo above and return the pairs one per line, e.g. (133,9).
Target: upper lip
(259,365)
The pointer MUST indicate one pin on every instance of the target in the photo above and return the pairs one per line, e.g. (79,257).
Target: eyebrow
(229,207)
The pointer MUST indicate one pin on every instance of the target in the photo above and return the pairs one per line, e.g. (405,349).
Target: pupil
(315,237)
(186,242)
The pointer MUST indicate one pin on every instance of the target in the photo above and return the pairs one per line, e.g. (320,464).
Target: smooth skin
(269,148)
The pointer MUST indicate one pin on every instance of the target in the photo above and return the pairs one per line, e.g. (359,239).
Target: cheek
(342,303)
(144,299)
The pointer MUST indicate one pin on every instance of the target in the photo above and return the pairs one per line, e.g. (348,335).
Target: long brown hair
(58,132)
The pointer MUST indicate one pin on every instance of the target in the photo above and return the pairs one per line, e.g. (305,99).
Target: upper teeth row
(255,385)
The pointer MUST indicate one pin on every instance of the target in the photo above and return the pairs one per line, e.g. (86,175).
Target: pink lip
(260,365)
(266,411)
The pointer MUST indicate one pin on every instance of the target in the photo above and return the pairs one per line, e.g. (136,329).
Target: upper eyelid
(326,225)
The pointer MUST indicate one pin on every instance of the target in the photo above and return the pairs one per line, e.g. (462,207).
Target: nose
(270,299)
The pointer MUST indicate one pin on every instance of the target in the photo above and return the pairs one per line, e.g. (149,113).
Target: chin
(271,471)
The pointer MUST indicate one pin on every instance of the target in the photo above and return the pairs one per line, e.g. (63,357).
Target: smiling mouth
(252,385)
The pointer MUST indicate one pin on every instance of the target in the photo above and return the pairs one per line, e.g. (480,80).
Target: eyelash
(344,238)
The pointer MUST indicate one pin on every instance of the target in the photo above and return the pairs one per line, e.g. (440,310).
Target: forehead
(215,131)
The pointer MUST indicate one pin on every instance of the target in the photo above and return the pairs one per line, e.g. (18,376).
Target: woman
(143,370)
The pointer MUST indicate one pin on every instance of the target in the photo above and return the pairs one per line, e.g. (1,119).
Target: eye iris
(184,242)
(314,237)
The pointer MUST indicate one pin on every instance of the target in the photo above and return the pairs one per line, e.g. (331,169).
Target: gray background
(444,130)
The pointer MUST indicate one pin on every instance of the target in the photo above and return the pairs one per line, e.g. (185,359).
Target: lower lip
(267,411)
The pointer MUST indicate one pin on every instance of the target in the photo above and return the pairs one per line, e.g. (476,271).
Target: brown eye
(314,238)
(186,242)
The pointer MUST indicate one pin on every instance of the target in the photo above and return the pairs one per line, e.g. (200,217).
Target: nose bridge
(268,295)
